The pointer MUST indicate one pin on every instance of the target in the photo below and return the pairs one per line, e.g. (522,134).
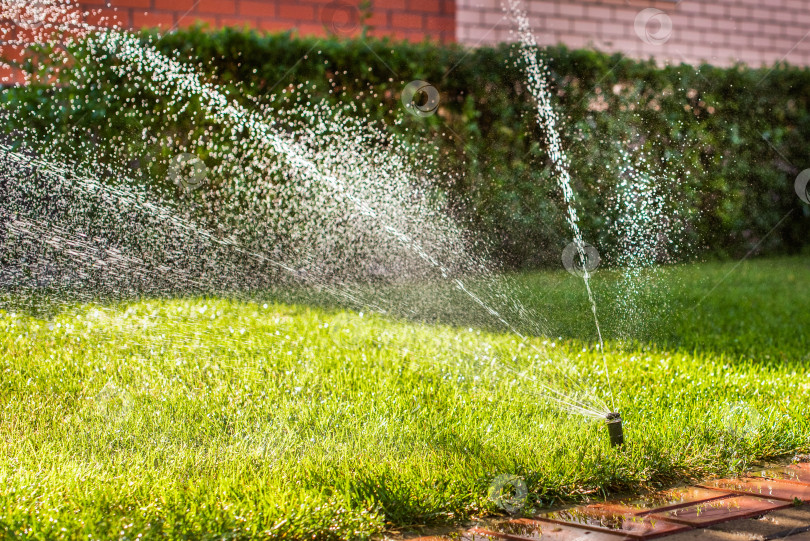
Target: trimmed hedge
(727,143)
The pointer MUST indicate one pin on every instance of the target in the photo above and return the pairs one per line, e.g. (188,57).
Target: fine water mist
(308,204)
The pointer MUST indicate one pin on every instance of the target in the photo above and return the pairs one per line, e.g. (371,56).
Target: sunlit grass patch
(185,418)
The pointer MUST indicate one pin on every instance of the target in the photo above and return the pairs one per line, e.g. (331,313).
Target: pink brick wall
(719,32)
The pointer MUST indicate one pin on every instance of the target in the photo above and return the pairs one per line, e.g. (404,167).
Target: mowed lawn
(207,418)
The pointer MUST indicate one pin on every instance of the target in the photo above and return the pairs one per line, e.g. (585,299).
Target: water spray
(613,420)
(537,78)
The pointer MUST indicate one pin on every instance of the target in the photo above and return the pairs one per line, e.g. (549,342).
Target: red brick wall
(402,19)
(719,32)
(412,20)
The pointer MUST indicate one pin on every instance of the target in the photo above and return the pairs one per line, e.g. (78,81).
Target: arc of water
(127,198)
(536,74)
(169,75)
(131,49)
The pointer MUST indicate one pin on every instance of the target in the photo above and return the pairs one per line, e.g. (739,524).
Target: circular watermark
(34,14)
(113,402)
(573,262)
(345,336)
(653,26)
(340,17)
(802,186)
(187,171)
(741,419)
(420,98)
(509,493)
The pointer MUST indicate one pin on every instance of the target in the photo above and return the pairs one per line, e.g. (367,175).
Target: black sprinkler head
(614,425)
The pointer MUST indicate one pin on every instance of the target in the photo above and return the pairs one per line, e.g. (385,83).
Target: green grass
(214,418)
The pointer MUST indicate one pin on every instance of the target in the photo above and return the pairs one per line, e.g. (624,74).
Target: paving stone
(472,534)
(665,500)
(475,534)
(793,517)
(603,519)
(793,473)
(463,536)
(769,488)
(753,528)
(547,531)
(738,512)
(715,511)
(710,535)
(483,534)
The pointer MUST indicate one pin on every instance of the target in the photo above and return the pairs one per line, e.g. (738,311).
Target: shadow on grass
(754,310)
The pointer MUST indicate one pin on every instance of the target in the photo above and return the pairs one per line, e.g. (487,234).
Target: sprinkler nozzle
(614,426)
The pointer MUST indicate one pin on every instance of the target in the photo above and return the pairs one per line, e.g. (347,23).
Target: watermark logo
(346,336)
(420,98)
(741,420)
(509,493)
(340,17)
(34,14)
(653,26)
(573,261)
(187,171)
(802,186)
(114,403)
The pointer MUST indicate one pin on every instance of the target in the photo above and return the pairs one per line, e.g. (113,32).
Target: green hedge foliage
(726,143)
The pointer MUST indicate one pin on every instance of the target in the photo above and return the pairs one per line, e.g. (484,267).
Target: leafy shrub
(726,142)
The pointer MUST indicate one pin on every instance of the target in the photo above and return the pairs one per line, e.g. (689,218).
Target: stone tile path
(771,504)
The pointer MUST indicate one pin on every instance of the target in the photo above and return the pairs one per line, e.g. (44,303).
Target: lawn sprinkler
(614,426)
